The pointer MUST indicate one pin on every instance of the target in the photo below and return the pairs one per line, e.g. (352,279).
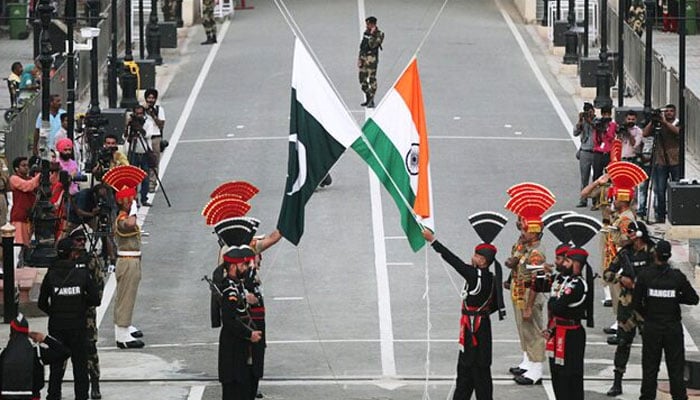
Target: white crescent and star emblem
(301,155)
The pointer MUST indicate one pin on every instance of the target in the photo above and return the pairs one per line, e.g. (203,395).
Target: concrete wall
(190,12)
(527,9)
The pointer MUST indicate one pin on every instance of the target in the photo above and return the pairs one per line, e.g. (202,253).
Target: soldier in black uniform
(658,293)
(482,295)
(629,262)
(238,333)
(22,366)
(66,293)
(572,302)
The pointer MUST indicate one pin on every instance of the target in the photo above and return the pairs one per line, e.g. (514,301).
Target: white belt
(129,253)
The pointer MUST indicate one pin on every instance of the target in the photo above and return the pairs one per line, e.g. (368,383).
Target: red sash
(556,344)
(471,322)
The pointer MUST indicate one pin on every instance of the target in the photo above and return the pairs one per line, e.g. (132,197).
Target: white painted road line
(196,393)
(432,137)
(111,284)
(405,264)
(540,77)
(287,298)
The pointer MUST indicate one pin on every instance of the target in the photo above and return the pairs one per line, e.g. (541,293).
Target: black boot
(367,98)
(211,39)
(95,389)
(616,388)
(370,102)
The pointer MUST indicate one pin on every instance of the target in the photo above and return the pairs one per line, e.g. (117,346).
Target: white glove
(134,208)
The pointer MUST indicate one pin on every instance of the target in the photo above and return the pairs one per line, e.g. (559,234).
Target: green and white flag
(320,130)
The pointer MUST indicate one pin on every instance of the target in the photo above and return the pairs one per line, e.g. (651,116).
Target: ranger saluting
(368,60)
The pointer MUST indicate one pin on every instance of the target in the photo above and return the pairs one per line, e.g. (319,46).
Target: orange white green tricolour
(395,145)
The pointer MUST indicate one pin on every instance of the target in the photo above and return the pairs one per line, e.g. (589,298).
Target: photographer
(155,112)
(140,154)
(584,129)
(23,197)
(95,208)
(665,157)
(604,134)
(631,137)
(108,156)
(68,164)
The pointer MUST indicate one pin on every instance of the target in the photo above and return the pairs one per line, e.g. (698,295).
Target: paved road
(491,124)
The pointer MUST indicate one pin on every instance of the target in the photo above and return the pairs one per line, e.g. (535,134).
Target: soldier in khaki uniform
(127,235)
(529,201)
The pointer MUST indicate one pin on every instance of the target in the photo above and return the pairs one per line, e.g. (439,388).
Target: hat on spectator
(77,233)
(20,324)
(63,144)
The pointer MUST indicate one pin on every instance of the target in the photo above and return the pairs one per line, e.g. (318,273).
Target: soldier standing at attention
(208,21)
(369,59)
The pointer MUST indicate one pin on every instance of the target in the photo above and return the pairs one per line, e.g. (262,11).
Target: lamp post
(70,16)
(649,6)
(602,98)
(93,16)
(42,250)
(153,36)
(570,37)
(586,7)
(620,53)
(112,68)
(681,86)
(178,14)
(8,269)
(544,13)
(128,79)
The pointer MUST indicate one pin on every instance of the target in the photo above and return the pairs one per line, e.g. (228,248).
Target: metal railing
(21,131)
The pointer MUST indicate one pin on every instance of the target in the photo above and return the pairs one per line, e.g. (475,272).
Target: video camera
(655,114)
(601,123)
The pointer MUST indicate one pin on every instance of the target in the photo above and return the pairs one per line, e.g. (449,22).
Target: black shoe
(610,331)
(616,388)
(136,334)
(95,389)
(523,380)
(146,203)
(607,303)
(370,103)
(259,395)
(327,181)
(613,340)
(210,40)
(517,371)
(134,344)
(582,204)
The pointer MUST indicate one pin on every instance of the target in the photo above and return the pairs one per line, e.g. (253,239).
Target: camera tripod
(658,137)
(148,152)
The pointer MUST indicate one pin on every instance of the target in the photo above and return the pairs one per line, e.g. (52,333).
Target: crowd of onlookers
(653,146)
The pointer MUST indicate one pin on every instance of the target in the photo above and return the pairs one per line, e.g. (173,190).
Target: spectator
(110,146)
(584,129)
(67,163)
(63,130)
(666,158)
(23,197)
(631,137)
(14,80)
(155,113)
(645,163)
(31,77)
(140,153)
(604,134)
(66,292)
(22,363)
(670,15)
(49,143)
(4,186)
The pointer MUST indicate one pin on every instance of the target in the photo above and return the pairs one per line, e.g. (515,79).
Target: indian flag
(320,130)
(395,145)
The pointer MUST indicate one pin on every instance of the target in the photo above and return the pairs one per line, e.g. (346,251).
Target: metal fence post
(8,277)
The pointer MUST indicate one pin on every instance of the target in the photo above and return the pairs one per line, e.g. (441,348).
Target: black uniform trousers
(474,366)
(245,389)
(624,347)
(656,338)
(567,379)
(76,341)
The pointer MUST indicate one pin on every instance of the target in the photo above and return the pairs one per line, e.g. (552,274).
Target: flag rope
(313,322)
(426,297)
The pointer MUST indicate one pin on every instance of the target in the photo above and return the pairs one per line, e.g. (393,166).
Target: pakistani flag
(395,145)
(320,129)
